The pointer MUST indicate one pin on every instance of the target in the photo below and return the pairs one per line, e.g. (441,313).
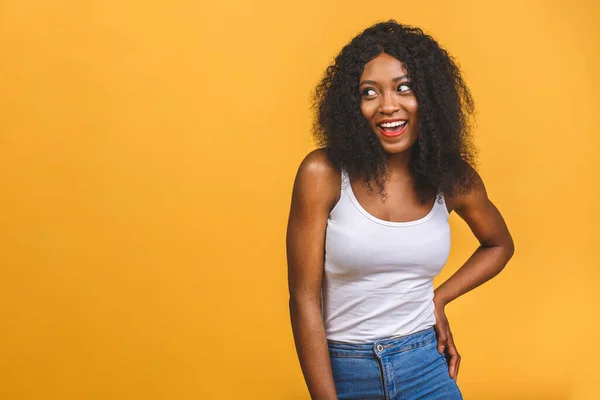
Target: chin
(396,145)
(395,148)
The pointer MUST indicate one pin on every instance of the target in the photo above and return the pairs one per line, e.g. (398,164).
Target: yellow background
(147,155)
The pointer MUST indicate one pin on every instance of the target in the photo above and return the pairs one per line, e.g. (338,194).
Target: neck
(398,165)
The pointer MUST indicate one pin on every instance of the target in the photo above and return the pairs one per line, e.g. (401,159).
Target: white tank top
(378,277)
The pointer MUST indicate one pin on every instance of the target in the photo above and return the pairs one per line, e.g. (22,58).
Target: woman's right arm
(315,192)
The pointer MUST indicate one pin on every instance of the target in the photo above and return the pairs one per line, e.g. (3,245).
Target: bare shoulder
(317,163)
(477,195)
(318,180)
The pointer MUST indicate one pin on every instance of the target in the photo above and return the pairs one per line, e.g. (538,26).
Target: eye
(368,92)
(404,85)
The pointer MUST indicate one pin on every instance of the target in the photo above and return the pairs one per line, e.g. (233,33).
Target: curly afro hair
(443,157)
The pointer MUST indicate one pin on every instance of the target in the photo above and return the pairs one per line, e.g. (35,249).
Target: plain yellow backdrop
(147,155)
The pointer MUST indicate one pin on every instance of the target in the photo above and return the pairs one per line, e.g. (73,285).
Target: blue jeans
(404,367)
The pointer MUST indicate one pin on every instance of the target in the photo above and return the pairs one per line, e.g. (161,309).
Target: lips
(394,131)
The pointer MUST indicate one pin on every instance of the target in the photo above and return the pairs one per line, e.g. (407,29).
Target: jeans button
(379,347)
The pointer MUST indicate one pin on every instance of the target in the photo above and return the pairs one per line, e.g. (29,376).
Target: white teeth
(393,124)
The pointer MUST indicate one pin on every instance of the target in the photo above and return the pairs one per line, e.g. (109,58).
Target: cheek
(413,109)
(412,106)
(367,110)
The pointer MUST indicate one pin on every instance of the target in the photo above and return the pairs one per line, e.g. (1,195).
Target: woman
(392,111)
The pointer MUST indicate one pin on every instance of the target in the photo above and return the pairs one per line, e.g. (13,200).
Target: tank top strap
(345,180)
(441,199)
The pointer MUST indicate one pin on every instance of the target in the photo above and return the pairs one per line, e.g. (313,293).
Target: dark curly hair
(443,157)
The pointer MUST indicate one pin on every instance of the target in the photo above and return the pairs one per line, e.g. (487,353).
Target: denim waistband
(394,344)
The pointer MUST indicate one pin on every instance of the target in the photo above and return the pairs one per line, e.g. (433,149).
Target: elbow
(303,301)
(503,253)
(304,305)
(510,249)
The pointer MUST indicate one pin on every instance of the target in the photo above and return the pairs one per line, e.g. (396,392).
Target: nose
(389,104)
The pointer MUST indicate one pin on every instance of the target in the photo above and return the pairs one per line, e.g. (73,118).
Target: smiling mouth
(392,129)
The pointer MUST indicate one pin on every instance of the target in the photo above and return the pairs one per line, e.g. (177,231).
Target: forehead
(383,66)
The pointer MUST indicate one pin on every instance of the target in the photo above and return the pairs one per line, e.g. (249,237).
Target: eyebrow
(375,83)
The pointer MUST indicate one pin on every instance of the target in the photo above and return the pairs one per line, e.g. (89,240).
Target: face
(389,104)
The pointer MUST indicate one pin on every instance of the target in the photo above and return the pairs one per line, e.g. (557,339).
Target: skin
(317,189)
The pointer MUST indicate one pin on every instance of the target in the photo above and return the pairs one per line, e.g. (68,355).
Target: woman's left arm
(495,249)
